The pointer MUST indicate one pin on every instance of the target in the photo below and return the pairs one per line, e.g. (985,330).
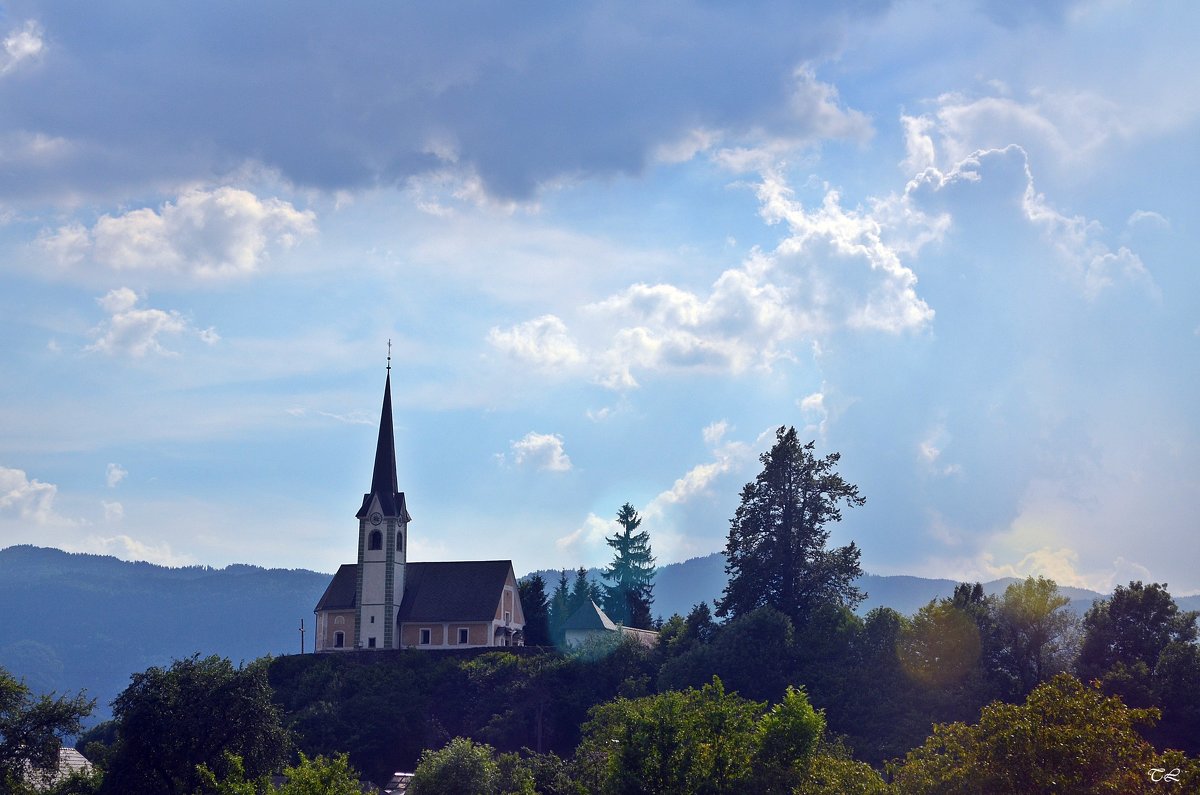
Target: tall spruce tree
(627,600)
(537,610)
(776,551)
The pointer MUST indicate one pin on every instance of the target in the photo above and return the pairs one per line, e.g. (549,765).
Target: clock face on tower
(376,517)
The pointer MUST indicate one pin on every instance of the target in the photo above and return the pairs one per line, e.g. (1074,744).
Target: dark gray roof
(589,616)
(342,591)
(466,590)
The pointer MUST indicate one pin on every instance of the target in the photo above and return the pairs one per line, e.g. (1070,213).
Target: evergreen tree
(537,610)
(583,590)
(776,551)
(627,601)
(560,604)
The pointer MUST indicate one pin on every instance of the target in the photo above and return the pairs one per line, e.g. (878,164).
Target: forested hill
(90,621)
(77,621)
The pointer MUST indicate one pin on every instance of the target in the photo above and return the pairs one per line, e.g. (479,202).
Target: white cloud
(130,331)
(21,45)
(114,474)
(28,499)
(541,450)
(114,512)
(129,548)
(209,235)
(542,342)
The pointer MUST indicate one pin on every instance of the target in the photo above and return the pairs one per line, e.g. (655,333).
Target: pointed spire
(384,483)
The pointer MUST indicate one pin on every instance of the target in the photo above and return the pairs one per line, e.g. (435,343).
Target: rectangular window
(464,635)
(370,643)
(424,637)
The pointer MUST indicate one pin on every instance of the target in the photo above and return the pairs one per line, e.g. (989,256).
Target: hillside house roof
(589,616)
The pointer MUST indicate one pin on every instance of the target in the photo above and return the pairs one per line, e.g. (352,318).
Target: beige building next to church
(385,602)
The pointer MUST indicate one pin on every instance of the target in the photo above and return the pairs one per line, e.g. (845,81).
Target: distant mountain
(77,621)
(679,586)
(90,621)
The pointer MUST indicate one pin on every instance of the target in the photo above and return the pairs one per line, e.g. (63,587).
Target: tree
(1066,737)
(713,741)
(318,776)
(170,720)
(32,730)
(627,601)
(532,590)
(776,551)
(560,604)
(461,768)
(1039,632)
(583,590)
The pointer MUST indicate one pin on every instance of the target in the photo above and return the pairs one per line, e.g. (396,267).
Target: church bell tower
(382,541)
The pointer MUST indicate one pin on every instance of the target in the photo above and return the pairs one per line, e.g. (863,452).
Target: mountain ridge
(84,621)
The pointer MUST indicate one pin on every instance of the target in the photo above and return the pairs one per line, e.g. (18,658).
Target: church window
(463,635)
(370,643)
(425,637)
(376,540)
(339,640)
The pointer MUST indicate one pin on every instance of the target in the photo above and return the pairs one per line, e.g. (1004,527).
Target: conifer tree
(627,600)
(559,608)
(776,553)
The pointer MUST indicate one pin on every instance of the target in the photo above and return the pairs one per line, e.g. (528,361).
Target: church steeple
(384,484)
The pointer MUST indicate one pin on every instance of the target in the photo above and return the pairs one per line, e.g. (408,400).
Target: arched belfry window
(375,541)
(399,542)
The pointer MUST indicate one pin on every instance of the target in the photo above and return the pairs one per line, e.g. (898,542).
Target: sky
(614,246)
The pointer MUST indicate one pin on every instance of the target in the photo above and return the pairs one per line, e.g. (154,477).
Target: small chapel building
(385,602)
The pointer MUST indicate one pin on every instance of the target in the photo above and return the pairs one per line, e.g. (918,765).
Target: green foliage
(712,741)
(318,776)
(627,601)
(170,720)
(788,737)
(1066,737)
(536,605)
(1133,625)
(1039,632)
(776,552)
(754,655)
(461,768)
(675,742)
(32,729)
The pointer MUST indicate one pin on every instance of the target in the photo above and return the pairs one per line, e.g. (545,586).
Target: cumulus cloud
(1092,263)
(114,474)
(541,450)
(135,332)
(209,235)
(542,342)
(28,499)
(129,548)
(23,44)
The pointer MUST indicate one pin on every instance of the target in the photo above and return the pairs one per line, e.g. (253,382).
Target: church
(385,602)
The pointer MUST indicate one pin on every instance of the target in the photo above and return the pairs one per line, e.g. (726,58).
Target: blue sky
(615,245)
